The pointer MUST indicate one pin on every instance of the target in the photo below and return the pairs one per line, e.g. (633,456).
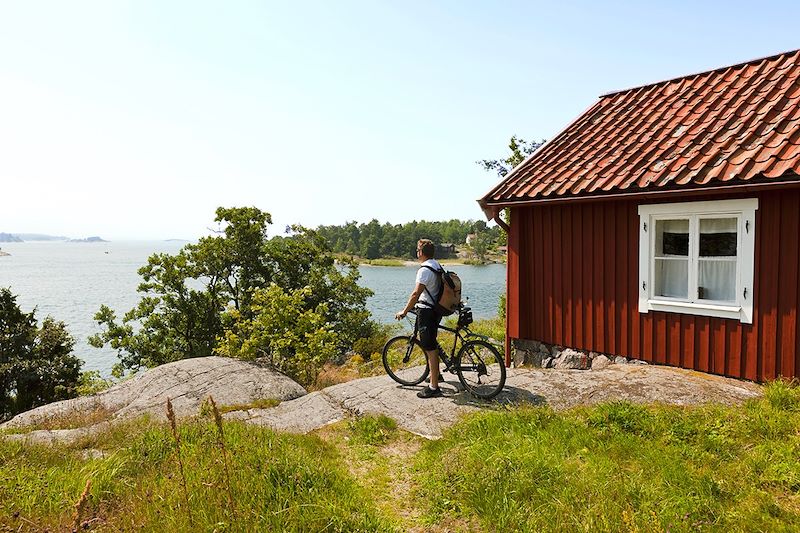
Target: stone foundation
(541,355)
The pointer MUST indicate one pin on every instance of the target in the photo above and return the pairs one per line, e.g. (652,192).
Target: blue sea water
(70,281)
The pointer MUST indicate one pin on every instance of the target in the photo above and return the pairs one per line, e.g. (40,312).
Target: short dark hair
(427,248)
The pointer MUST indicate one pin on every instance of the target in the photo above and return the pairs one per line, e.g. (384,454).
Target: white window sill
(700,309)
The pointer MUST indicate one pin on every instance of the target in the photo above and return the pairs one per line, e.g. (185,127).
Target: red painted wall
(573,272)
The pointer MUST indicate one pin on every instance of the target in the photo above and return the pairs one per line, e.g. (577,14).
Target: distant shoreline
(395,262)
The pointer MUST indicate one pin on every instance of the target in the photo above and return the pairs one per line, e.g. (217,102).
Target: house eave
(489,207)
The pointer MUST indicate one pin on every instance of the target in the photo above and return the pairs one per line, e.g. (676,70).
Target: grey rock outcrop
(230,381)
(559,389)
(187,383)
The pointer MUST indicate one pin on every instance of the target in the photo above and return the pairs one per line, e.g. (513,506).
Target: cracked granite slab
(187,383)
(560,389)
(233,382)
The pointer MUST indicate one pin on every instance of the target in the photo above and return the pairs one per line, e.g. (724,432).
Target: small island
(89,239)
(27,237)
(8,237)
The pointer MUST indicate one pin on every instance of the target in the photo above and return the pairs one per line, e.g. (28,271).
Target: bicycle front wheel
(481,369)
(405,360)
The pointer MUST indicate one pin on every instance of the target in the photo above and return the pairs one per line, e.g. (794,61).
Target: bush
(296,340)
(371,345)
(91,382)
(36,363)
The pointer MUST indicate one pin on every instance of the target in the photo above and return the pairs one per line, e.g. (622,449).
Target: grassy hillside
(613,467)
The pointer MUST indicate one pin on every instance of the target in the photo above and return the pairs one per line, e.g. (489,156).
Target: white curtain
(717,225)
(717,280)
(672,278)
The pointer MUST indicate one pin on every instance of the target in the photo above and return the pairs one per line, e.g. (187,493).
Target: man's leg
(433,364)
(427,336)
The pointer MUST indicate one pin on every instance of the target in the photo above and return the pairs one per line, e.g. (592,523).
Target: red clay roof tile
(734,123)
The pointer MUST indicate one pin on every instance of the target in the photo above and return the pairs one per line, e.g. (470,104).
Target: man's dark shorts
(427,325)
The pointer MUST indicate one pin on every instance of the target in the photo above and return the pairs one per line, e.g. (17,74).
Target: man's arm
(412,301)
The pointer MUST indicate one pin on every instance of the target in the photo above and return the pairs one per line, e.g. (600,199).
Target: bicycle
(479,366)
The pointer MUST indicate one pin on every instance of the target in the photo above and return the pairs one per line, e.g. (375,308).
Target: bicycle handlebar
(461,307)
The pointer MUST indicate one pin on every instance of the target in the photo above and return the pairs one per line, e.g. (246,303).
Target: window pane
(671,278)
(717,280)
(672,238)
(718,237)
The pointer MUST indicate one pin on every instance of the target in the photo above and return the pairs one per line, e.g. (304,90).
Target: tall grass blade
(174,426)
(221,443)
(76,516)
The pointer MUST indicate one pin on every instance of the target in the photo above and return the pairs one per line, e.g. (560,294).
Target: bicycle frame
(471,357)
(457,336)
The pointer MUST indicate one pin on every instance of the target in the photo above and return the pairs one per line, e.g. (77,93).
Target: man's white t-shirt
(431,280)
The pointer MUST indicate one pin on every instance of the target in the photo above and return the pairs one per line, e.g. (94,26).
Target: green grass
(279,482)
(495,328)
(612,467)
(372,430)
(622,467)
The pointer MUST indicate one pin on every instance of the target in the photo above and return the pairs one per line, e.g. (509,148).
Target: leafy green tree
(520,150)
(187,298)
(36,363)
(372,247)
(480,245)
(293,336)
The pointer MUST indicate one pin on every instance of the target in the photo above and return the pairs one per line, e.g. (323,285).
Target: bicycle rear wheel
(481,369)
(405,360)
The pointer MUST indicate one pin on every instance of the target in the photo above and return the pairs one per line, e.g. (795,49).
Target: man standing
(427,289)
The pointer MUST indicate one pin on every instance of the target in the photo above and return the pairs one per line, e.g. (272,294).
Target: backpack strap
(434,298)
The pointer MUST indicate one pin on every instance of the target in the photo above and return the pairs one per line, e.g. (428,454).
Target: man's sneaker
(428,392)
(428,379)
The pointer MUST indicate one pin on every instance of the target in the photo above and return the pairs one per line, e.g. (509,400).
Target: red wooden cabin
(664,225)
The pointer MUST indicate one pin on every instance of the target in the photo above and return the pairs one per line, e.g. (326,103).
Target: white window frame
(744,211)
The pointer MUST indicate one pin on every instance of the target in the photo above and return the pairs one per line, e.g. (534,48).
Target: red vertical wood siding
(573,281)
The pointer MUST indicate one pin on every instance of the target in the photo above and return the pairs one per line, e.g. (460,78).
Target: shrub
(294,339)
(91,382)
(372,344)
(36,363)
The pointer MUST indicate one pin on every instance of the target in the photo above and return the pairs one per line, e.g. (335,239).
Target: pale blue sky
(137,119)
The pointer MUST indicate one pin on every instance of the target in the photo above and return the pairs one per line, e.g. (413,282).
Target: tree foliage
(36,363)
(374,240)
(480,244)
(293,336)
(520,149)
(192,300)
